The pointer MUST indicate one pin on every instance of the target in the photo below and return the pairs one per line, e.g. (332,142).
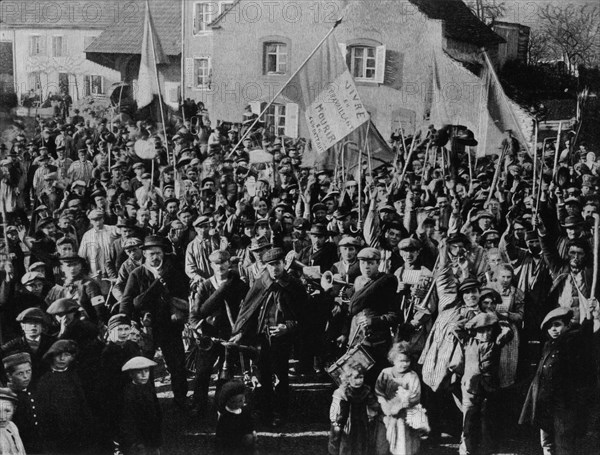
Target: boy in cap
(558,398)
(133,250)
(19,372)
(141,417)
(235,429)
(65,418)
(10,440)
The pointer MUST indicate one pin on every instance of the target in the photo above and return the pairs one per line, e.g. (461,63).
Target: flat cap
(260,243)
(219,257)
(369,254)
(8,394)
(301,224)
(132,242)
(96,214)
(117,320)
(387,208)
(319,206)
(45,222)
(78,183)
(348,240)
(32,314)
(138,363)
(469,283)
(409,244)
(59,347)
(18,358)
(39,264)
(558,313)
(272,255)
(319,229)
(490,293)
(61,306)
(30,277)
(201,220)
(573,221)
(481,321)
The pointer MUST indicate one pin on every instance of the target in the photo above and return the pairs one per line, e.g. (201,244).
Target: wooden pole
(596,254)
(410,154)
(468,148)
(557,149)
(497,173)
(338,22)
(182,69)
(535,138)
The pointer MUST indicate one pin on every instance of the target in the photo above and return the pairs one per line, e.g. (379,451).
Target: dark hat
(369,254)
(8,394)
(573,221)
(260,243)
(483,214)
(469,283)
(531,235)
(340,214)
(202,220)
(489,232)
(44,222)
(127,222)
(219,257)
(262,221)
(62,306)
(230,390)
(481,321)
(98,193)
(387,208)
(59,347)
(173,199)
(117,320)
(138,166)
(152,241)
(96,214)
(319,206)
(18,358)
(301,224)
(272,255)
(558,313)
(409,244)
(32,314)
(138,363)
(319,229)
(458,237)
(489,292)
(40,208)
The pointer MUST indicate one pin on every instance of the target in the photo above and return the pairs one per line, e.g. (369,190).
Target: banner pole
(338,22)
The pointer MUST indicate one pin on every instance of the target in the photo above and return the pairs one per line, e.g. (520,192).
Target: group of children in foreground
(385,420)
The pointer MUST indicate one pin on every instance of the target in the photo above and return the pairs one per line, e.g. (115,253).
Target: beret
(229,390)
(32,314)
(272,255)
(29,277)
(219,256)
(16,359)
(409,244)
(63,306)
(38,264)
(96,214)
(369,254)
(7,394)
(481,321)
(61,346)
(260,243)
(201,220)
(557,313)
(117,320)
(489,292)
(138,363)
(348,240)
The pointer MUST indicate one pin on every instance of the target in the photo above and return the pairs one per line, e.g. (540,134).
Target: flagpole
(160,102)
(338,22)
(181,91)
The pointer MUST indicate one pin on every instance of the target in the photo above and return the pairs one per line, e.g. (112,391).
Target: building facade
(47,40)
(239,53)
(515,47)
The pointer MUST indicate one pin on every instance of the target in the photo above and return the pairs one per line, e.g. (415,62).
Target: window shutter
(196,20)
(189,72)
(31,39)
(380,64)
(291,120)
(209,72)
(344,51)
(42,45)
(65,47)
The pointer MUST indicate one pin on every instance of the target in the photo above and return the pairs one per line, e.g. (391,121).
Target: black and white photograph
(299,227)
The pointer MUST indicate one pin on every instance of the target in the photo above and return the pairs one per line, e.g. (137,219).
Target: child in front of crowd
(480,379)
(10,440)
(235,430)
(353,408)
(141,416)
(115,354)
(398,388)
(559,398)
(65,417)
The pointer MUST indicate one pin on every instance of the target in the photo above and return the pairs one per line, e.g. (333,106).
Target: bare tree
(572,33)
(487,10)
(538,48)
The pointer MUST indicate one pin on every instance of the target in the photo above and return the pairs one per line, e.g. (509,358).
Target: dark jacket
(289,296)
(27,421)
(141,419)
(38,364)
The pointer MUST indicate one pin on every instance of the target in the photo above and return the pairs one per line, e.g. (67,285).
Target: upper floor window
(365,61)
(206,12)
(202,73)
(58,46)
(276,58)
(36,45)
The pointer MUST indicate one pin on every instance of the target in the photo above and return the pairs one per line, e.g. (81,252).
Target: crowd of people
(427,288)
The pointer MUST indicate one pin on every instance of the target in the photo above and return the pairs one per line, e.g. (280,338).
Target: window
(93,85)
(206,12)
(172,94)
(57,46)
(34,81)
(202,73)
(365,61)
(36,45)
(280,119)
(275,58)
(362,62)
(275,119)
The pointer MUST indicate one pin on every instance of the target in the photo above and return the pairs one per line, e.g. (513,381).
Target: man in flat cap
(81,169)
(213,313)
(152,289)
(96,244)
(197,263)
(268,318)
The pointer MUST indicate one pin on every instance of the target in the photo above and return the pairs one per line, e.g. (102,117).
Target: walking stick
(595,276)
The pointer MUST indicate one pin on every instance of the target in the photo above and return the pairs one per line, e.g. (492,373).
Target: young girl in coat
(353,407)
(397,388)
